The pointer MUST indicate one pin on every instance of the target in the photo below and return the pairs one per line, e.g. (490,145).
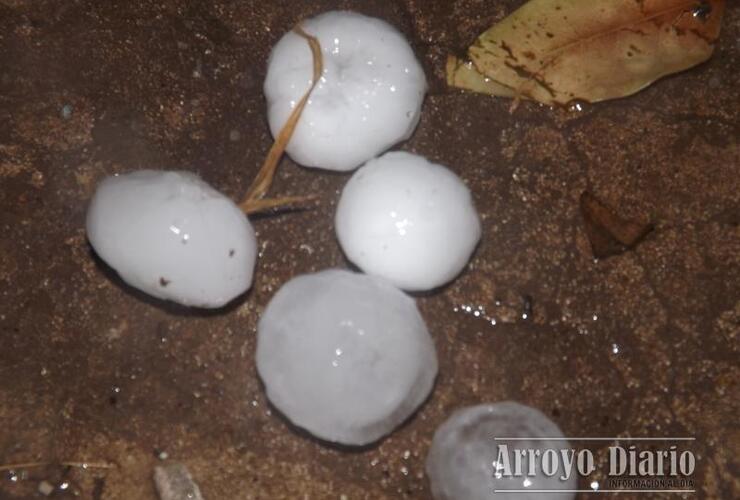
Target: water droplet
(577,105)
(702,11)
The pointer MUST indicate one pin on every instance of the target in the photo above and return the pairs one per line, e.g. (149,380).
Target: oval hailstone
(369,97)
(173,236)
(463,461)
(345,356)
(408,220)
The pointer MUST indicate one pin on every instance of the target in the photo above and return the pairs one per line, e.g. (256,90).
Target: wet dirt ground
(640,344)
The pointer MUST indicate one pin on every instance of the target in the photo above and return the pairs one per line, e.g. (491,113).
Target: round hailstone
(408,220)
(368,99)
(345,356)
(173,236)
(465,462)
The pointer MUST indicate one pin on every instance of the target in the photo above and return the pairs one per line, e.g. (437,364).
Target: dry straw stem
(253,200)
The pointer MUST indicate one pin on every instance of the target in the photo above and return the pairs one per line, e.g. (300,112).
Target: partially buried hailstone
(368,99)
(345,356)
(173,236)
(469,460)
(408,220)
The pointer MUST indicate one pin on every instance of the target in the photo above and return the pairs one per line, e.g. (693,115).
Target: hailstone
(345,356)
(173,236)
(369,97)
(466,462)
(408,220)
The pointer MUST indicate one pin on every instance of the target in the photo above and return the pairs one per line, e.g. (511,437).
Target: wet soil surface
(643,343)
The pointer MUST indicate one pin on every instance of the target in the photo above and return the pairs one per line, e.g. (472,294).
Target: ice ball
(345,356)
(173,236)
(369,97)
(464,462)
(408,220)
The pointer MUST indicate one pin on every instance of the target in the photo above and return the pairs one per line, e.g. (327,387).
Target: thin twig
(36,465)
(261,184)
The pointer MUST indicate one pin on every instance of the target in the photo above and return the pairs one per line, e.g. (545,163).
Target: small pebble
(67,111)
(174,482)
(234,135)
(46,488)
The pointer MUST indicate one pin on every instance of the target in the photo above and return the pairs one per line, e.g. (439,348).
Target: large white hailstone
(408,220)
(369,97)
(466,462)
(345,356)
(173,236)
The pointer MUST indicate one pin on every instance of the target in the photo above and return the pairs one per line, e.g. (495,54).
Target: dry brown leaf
(608,233)
(557,51)
(253,200)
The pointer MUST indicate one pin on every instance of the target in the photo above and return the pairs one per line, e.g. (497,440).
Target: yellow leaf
(555,51)
(463,75)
